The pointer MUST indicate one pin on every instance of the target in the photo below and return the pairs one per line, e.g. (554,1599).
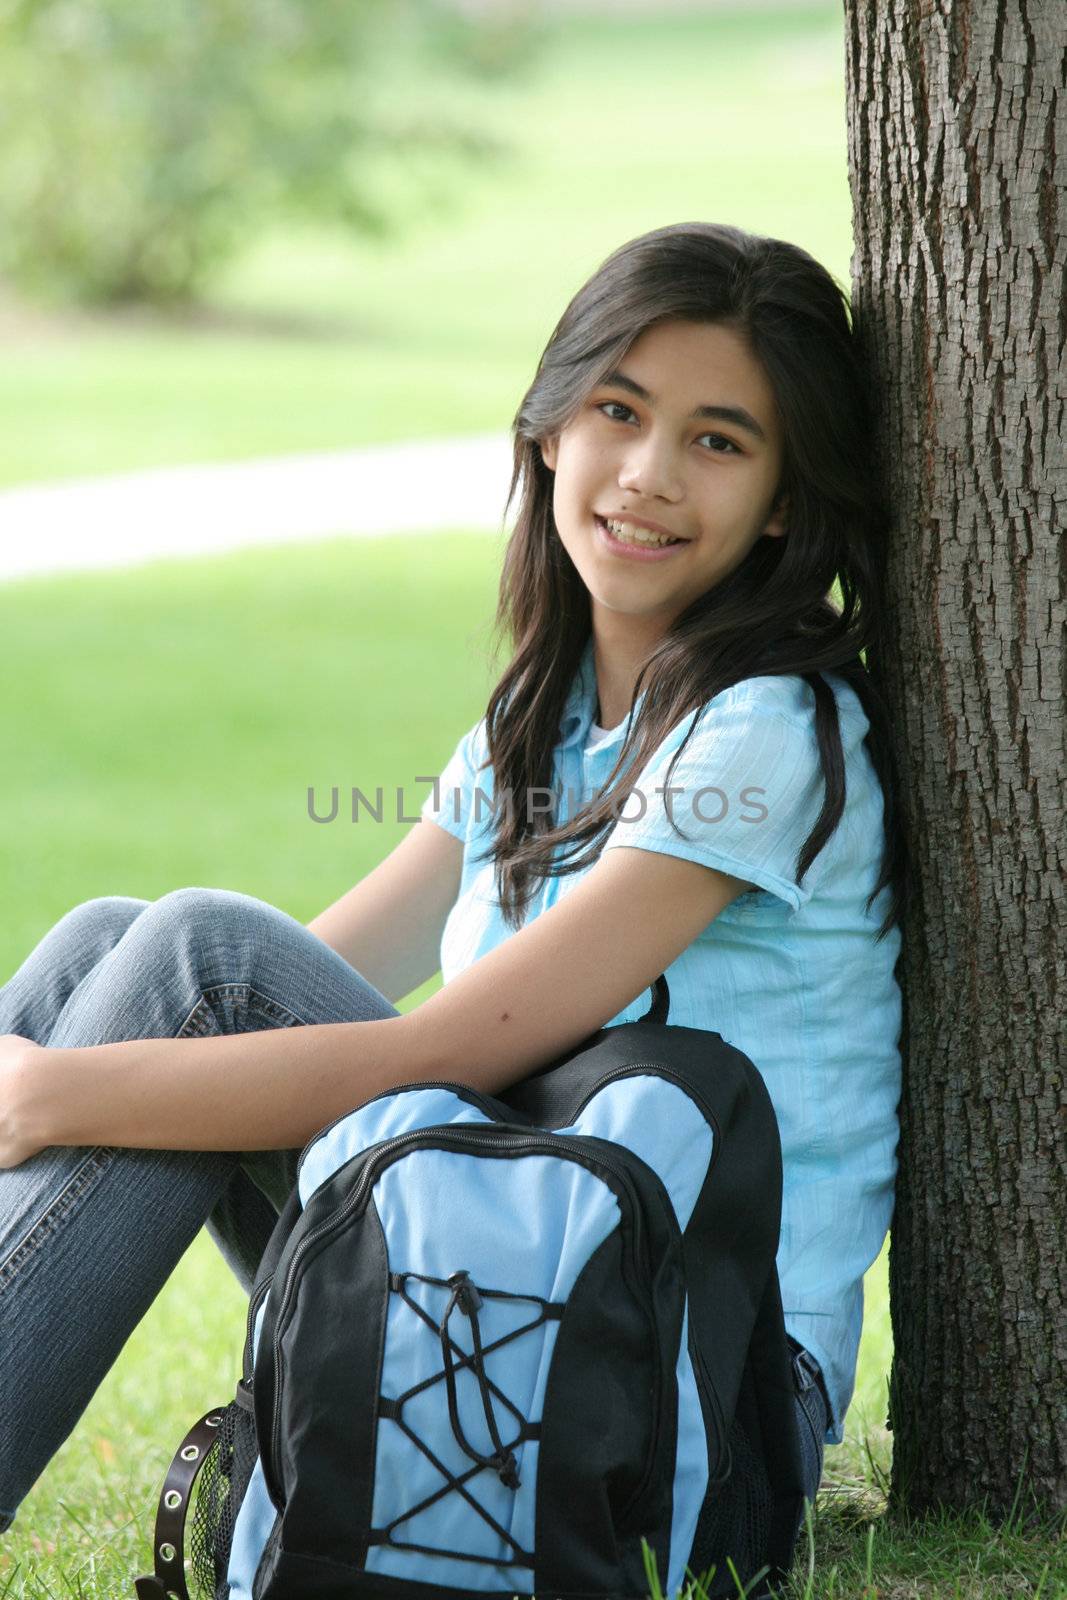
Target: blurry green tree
(141,145)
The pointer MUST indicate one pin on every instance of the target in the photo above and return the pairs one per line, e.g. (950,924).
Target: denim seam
(198,1022)
(79,1184)
(290,1018)
(802,1397)
(818,1439)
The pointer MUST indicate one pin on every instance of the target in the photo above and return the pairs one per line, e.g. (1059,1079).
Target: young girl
(684,769)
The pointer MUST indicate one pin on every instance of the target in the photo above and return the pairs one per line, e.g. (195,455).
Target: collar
(581,701)
(580,705)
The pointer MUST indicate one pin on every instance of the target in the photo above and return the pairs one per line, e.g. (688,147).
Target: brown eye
(732,448)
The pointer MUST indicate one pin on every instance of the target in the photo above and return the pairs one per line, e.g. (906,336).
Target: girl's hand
(20,1120)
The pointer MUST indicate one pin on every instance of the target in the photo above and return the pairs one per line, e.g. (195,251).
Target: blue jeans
(88,1237)
(813,1413)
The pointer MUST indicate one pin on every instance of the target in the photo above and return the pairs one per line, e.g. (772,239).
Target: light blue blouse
(789,972)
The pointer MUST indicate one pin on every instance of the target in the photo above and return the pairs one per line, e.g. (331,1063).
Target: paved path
(181,511)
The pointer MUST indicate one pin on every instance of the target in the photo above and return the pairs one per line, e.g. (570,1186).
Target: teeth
(632,535)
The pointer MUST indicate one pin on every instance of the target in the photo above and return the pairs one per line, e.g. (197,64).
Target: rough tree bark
(957,126)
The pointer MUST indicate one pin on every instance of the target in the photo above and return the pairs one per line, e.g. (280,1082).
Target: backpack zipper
(494,1107)
(703,1376)
(471,1096)
(446,1136)
(254,1304)
(676,1078)
(704,1381)
(700,1367)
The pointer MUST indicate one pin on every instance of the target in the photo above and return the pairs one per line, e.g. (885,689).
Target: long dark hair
(772,614)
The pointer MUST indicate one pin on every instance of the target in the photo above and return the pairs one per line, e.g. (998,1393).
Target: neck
(619,653)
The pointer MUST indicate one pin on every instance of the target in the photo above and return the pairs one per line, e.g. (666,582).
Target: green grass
(169,719)
(850,1550)
(315,340)
(163,725)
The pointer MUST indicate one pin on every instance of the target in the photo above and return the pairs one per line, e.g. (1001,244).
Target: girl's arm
(538,994)
(389,925)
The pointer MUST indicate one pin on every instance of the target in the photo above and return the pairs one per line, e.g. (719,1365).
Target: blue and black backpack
(512,1345)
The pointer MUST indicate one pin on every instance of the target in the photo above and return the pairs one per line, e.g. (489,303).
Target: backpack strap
(168,1545)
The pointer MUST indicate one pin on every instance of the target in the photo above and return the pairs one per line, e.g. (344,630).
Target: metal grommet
(191,1452)
(167,1552)
(213,1422)
(172,1499)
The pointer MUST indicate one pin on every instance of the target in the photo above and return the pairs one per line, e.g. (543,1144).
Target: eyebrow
(735,414)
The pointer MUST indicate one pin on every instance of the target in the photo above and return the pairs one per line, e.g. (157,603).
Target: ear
(777,523)
(549,451)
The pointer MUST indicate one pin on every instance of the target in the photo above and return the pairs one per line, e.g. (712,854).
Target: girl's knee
(194,905)
(107,917)
(204,915)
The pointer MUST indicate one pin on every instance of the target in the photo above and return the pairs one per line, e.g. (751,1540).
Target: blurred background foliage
(141,146)
(582,131)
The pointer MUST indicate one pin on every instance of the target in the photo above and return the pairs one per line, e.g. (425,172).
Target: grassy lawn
(169,719)
(255,675)
(315,340)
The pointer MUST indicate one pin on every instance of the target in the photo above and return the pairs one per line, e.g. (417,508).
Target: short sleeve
(745,793)
(450,800)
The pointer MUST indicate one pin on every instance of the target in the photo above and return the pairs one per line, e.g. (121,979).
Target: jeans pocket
(235,1008)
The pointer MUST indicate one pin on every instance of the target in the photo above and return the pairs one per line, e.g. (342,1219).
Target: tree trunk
(957,127)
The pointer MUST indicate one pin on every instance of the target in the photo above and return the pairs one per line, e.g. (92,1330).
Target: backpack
(511,1345)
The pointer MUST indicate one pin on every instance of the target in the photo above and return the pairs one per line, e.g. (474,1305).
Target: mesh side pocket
(735,1518)
(220,1488)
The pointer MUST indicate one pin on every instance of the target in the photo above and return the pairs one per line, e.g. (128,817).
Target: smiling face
(684,436)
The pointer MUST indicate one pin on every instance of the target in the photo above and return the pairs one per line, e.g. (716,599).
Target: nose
(650,468)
